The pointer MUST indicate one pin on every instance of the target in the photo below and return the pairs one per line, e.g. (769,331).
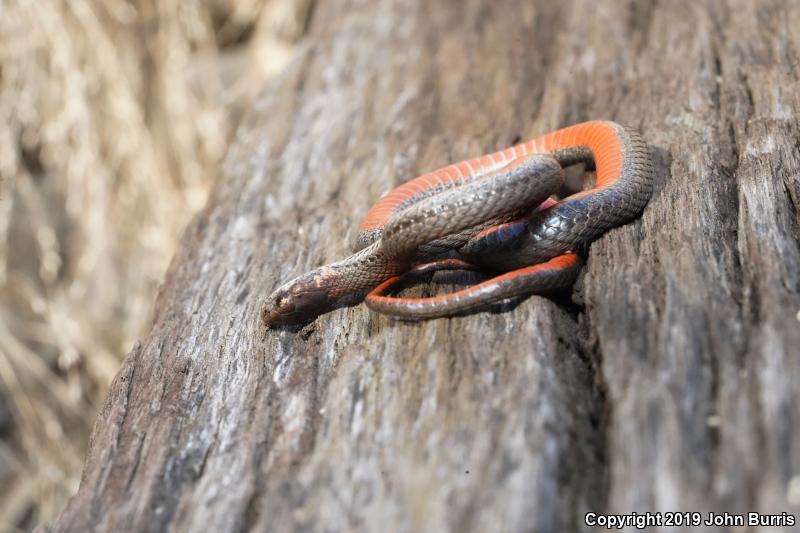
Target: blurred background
(114,116)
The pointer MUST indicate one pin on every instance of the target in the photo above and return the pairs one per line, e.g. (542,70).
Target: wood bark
(667,379)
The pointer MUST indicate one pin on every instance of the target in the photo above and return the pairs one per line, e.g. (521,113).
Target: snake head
(296,302)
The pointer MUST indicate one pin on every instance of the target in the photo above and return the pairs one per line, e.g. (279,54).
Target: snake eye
(283,302)
(279,307)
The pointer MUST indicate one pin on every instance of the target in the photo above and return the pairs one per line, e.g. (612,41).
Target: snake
(492,213)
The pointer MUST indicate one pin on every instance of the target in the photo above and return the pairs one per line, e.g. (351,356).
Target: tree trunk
(667,379)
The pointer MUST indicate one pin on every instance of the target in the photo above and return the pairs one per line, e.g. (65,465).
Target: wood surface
(668,379)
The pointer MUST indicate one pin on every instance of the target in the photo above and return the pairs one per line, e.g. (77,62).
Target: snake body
(493,213)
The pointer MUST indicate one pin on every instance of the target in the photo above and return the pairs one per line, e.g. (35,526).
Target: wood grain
(667,380)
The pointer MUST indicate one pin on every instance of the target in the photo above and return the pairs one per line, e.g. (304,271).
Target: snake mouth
(274,318)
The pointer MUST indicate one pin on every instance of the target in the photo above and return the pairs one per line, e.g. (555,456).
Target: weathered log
(668,379)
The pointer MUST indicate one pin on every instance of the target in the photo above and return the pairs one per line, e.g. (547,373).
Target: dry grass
(114,116)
